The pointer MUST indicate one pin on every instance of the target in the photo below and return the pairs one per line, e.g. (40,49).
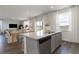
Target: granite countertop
(37,35)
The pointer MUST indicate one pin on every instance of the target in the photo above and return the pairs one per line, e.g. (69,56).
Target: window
(39,25)
(63,21)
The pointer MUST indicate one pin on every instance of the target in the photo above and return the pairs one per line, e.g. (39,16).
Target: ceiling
(25,11)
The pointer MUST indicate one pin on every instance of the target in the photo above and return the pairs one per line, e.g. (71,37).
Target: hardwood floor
(68,48)
(6,48)
(15,48)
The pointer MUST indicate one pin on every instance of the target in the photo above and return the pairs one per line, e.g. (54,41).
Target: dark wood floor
(15,48)
(68,48)
(6,48)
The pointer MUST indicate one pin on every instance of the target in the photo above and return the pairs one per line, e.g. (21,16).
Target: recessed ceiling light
(51,7)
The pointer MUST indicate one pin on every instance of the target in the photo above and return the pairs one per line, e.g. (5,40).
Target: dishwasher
(45,45)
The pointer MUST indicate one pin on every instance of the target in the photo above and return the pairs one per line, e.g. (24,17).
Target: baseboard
(70,42)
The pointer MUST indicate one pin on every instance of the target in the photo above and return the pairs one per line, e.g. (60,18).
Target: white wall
(5,23)
(74,25)
(78,23)
(50,19)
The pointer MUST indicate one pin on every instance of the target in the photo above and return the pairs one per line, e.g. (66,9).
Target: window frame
(39,19)
(65,26)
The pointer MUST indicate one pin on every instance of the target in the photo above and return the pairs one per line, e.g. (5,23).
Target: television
(12,25)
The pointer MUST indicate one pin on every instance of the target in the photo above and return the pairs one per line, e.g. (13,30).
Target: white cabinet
(31,46)
(53,43)
(56,40)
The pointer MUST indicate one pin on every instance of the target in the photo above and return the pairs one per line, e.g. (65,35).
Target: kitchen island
(38,42)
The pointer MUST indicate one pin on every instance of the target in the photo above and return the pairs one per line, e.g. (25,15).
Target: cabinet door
(58,39)
(53,43)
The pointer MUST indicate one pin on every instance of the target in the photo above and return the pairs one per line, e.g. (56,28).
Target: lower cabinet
(53,43)
(56,40)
